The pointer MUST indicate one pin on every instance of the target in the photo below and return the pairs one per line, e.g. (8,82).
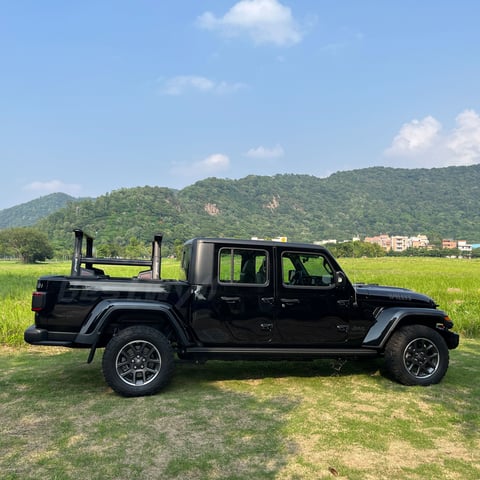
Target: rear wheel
(138,361)
(417,355)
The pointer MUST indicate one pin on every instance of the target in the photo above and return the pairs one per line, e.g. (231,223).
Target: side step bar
(282,352)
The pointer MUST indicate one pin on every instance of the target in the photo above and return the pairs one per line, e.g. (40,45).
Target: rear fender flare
(102,314)
(391,318)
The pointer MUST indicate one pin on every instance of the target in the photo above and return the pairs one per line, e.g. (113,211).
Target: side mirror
(340,279)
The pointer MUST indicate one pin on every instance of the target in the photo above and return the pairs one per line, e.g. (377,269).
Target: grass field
(239,420)
(259,420)
(453,283)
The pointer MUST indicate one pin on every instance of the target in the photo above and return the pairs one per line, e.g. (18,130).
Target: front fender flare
(389,319)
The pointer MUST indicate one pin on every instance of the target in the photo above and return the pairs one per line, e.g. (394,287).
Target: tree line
(31,245)
(440,203)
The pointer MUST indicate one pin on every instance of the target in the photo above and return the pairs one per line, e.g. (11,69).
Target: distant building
(276,239)
(464,247)
(449,244)
(383,240)
(420,241)
(399,243)
(325,242)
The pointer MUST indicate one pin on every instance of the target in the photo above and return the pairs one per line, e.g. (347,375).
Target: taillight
(39,300)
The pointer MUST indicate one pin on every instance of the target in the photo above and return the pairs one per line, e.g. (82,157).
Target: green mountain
(441,202)
(29,213)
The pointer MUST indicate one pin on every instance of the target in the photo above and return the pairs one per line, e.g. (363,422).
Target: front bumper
(451,338)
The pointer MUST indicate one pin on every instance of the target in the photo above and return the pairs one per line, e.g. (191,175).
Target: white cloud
(53,186)
(194,83)
(422,143)
(217,162)
(464,142)
(210,166)
(415,137)
(264,21)
(262,152)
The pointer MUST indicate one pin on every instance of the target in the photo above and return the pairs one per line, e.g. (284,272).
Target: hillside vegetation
(442,203)
(27,214)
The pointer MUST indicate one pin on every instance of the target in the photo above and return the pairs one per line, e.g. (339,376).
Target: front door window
(306,270)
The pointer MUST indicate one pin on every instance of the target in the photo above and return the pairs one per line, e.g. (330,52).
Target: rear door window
(244,266)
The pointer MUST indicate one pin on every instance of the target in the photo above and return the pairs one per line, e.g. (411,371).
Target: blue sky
(105,94)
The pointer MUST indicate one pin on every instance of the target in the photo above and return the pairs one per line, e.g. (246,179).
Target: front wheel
(138,361)
(417,355)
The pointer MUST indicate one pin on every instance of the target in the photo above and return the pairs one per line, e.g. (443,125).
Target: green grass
(239,420)
(453,283)
(259,420)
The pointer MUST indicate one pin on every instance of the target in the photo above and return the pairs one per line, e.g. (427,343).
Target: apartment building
(399,243)
(384,241)
(464,247)
(449,244)
(420,241)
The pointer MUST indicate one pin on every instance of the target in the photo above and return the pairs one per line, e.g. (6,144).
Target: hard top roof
(256,243)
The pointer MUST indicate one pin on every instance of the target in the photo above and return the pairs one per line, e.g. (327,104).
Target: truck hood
(384,296)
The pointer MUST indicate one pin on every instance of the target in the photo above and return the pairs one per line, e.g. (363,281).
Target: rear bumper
(40,336)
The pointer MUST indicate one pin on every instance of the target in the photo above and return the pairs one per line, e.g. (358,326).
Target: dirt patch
(399,460)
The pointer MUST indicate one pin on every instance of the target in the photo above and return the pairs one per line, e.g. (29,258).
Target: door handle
(266,326)
(288,302)
(230,299)
(267,300)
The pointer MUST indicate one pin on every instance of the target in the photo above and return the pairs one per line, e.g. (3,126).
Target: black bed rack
(78,259)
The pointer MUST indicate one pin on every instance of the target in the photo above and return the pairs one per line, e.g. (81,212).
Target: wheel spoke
(138,363)
(421,358)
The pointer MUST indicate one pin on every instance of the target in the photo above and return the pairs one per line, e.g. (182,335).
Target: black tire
(138,361)
(417,355)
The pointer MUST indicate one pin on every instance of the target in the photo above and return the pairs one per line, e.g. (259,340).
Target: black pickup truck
(238,299)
